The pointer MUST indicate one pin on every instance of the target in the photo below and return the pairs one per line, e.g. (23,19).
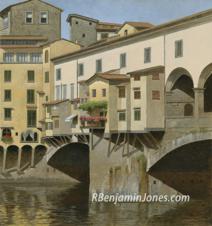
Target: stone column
(33,158)
(4,160)
(199,101)
(19,159)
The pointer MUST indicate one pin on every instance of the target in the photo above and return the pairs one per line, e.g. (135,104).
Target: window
(76,22)
(49,126)
(7,76)
(7,95)
(93,93)
(122,115)
(81,69)
(58,74)
(31,118)
(72,91)
(22,57)
(137,93)
(5,22)
(90,23)
(104,35)
(156,95)
(104,92)
(8,57)
(147,55)
(56,124)
(137,77)
(64,87)
(30,96)
(123,60)
(83,35)
(7,114)
(57,92)
(44,18)
(99,65)
(46,79)
(121,92)
(137,114)
(36,57)
(29,18)
(30,76)
(126,32)
(46,56)
(155,76)
(178,48)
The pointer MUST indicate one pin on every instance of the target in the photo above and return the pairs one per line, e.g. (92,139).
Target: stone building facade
(32,18)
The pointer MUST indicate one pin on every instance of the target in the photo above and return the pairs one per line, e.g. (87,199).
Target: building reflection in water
(69,205)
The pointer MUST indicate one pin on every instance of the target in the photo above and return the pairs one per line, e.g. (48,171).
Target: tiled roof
(146,70)
(145,32)
(55,102)
(104,26)
(139,25)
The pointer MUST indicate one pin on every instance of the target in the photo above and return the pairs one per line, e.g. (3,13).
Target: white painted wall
(197,51)
(197,54)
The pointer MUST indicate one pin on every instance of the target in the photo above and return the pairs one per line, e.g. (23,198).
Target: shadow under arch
(26,155)
(205,74)
(186,168)
(73,160)
(205,83)
(40,151)
(12,156)
(174,76)
(179,94)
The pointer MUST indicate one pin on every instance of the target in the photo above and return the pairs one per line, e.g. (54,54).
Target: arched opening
(6,135)
(179,94)
(40,151)
(12,157)
(26,156)
(208,95)
(29,136)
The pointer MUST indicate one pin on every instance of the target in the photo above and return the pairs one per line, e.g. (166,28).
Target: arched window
(6,132)
(46,56)
(188,110)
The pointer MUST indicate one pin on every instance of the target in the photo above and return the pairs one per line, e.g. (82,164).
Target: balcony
(93,121)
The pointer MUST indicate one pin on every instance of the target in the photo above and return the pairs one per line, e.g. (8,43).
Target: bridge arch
(72,159)
(190,138)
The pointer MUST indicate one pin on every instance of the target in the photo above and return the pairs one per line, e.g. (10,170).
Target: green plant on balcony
(7,139)
(93,105)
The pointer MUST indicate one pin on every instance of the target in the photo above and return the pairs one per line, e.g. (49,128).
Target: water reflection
(61,205)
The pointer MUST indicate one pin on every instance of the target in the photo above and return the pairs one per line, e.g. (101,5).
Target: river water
(60,205)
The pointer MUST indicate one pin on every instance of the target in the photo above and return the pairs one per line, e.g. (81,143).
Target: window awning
(70,118)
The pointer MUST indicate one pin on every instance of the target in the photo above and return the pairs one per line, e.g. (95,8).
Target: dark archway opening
(208,95)
(12,157)
(180,99)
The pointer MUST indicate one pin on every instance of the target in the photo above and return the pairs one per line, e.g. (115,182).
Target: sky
(119,11)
